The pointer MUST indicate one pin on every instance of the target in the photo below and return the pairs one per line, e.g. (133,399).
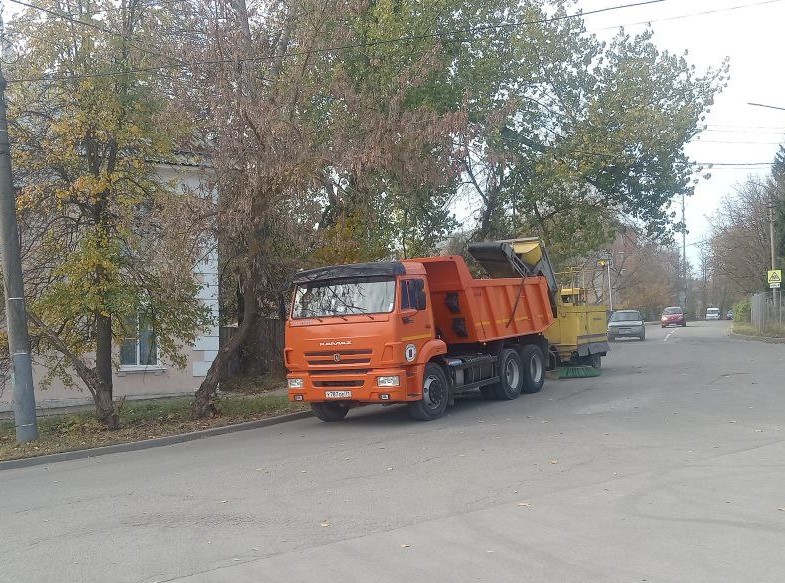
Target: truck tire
(510,376)
(329,411)
(435,395)
(596,361)
(533,369)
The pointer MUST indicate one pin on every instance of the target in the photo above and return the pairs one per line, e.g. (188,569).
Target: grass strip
(747,329)
(138,421)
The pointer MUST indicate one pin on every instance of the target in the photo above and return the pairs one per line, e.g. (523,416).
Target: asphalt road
(668,467)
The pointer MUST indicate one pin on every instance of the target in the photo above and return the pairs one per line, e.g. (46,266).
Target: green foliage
(105,237)
(566,135)
(742,311)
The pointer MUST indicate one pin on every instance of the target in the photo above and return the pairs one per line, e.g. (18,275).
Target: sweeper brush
(578,372)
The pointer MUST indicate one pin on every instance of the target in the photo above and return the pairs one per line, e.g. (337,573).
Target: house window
(140,349)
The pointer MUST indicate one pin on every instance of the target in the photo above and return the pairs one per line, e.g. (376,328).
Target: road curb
(767,339)
(78,454)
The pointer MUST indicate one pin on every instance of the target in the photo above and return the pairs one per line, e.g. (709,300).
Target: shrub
(742,311)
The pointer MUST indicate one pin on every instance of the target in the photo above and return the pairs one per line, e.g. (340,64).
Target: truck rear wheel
(435,395)
(510,376)
(533,369)
(329,411)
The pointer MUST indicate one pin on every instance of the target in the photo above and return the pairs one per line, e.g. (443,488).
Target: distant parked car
(729,315)
(673,316)
(712,313)
(626,323)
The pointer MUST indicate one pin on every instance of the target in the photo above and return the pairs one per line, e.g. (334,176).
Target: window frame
(138,344)
(410,288)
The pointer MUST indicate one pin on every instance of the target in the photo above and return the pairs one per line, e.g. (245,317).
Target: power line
(693,14)
(745,132)
(407,38)
(731,127)
(742,142)
(89,24)
(765,105)
(731,163)
(710,165)
(67,17)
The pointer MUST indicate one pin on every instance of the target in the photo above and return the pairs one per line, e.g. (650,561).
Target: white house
(141,374)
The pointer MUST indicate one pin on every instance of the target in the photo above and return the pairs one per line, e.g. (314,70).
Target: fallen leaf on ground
(325,524)
(524,503)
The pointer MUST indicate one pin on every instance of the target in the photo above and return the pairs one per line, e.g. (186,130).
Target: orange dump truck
(417,332)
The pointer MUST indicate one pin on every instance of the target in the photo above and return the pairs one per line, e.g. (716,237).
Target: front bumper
(361,387)
(622,331)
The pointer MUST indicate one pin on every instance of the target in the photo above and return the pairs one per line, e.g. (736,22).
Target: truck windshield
(320,299)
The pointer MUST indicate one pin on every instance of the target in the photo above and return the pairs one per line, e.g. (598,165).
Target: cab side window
(412,294)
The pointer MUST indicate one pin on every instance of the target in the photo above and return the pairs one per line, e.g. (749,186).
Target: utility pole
(15,313)
(684,250)
(775,292)
(604,262)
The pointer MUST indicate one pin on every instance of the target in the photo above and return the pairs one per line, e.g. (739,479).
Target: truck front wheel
(533,369)
(329,411)
(435,395)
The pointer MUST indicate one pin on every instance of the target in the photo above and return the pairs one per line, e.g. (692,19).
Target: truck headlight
(393,381)
(295,383)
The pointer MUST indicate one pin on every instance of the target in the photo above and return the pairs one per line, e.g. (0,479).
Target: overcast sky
(741,137)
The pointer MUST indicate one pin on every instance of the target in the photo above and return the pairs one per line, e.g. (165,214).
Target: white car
(712,313)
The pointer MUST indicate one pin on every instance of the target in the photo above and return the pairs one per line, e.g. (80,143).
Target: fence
(765,316)
(260,353)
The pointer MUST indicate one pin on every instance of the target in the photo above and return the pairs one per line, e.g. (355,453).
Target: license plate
(626,330)
(338,394)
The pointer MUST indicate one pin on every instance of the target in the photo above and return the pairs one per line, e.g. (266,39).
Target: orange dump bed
(468,310)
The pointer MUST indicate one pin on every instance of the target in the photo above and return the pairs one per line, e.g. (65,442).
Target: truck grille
(332,384)
(338,357)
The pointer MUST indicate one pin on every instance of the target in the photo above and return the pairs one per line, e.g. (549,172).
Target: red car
(673,316)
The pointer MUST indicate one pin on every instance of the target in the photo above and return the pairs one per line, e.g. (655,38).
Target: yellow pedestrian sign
(775,278)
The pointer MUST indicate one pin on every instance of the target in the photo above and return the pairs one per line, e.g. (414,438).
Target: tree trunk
(104,407)
(204,398)
(89,376)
